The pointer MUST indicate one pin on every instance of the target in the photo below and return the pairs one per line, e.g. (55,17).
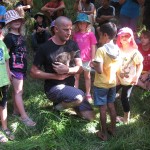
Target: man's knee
(79,98)
(88,115)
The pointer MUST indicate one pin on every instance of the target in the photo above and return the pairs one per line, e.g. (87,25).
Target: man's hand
(60,68)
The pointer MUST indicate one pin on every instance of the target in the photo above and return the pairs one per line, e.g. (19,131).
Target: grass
(65,131)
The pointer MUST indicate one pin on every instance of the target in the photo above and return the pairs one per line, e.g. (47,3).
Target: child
(52,25)
(18,62)
(24,6)
(105,64)
(130,69)
(54,9)
(40,33)
(105,13)
(86,42)
(4,82)
(144,48)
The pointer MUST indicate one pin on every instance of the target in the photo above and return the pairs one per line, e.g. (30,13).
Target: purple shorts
(19,75)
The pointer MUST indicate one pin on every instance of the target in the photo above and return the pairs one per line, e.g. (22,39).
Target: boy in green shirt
(4,82)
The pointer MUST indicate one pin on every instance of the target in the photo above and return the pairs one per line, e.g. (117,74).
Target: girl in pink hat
(130,69)
(16,45)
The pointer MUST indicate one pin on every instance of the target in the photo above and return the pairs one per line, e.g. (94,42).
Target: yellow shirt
(128,68)
(110,66)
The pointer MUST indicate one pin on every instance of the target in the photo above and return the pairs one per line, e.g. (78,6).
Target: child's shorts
(86,66)
(3,95)
(19,75)
(103,96)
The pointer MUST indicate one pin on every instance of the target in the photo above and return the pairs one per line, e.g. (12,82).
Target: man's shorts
(103,96)
(67,94)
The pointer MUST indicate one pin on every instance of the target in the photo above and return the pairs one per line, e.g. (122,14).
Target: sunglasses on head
(125,36)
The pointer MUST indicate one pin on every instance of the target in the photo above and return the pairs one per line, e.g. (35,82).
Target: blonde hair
(76,28)
(21,30)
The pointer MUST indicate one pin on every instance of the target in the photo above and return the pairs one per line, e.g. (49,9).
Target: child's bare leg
(18,91)
(112,112)
(77,77)
(126,117)
(87,77)
(15,111)
(103,133)
(3,115)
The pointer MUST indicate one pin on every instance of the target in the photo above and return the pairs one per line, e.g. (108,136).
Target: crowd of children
(117,65)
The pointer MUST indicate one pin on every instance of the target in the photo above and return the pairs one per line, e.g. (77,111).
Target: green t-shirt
(4,79)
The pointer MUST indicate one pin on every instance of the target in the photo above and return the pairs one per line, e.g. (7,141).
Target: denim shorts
(67,94)
(103,96)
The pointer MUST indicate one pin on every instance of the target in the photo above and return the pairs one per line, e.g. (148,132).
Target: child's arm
(139,69)
(79,6)
(76,5)
(98,66)
(141,2)
(93,52)
(90,11)
(45,8)
(121,1)
(62,6)
(8,69)
(107,17)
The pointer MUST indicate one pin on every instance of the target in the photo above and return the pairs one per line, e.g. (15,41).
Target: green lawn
(65,131)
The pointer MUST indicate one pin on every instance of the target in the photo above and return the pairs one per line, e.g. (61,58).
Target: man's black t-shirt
(18,53)
(46,55)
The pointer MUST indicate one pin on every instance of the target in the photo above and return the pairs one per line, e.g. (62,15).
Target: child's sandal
(8,134)
(3,139)
(28,122)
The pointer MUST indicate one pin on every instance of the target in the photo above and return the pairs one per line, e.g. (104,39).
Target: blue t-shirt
(130,9)
(2,11)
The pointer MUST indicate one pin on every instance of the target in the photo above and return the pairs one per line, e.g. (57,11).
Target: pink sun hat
(12,15)
(126,30)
